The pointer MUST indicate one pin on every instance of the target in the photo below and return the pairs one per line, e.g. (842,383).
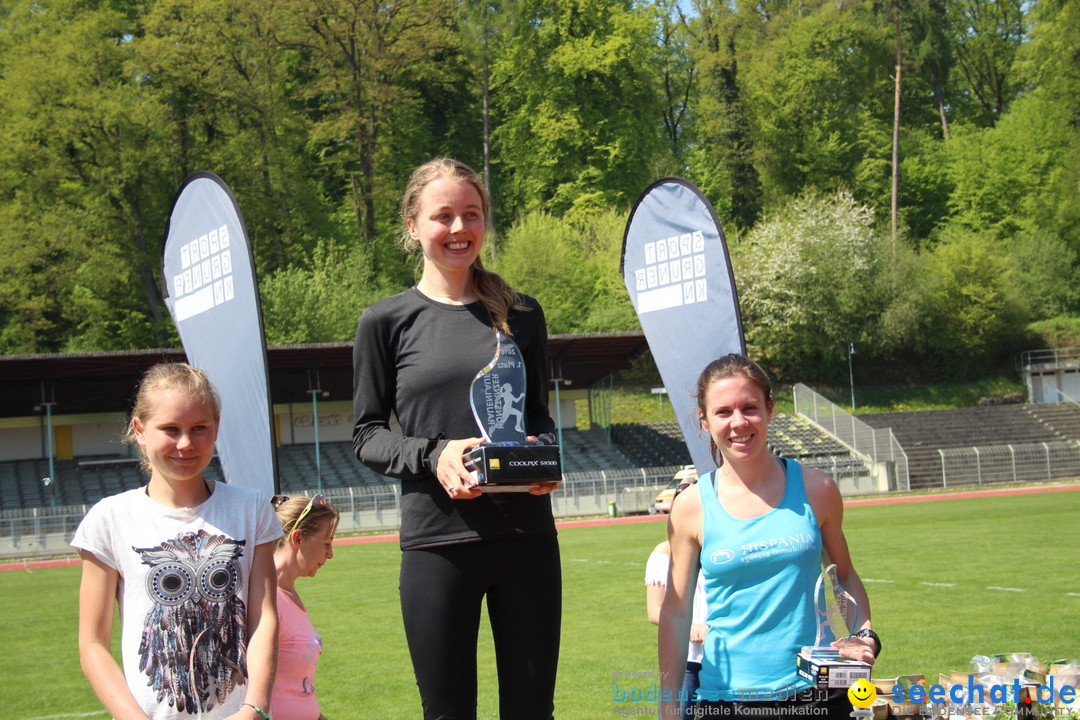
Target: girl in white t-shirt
(656,577)
(191,565)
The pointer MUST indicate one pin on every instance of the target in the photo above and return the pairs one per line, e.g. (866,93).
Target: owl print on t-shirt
(194,639)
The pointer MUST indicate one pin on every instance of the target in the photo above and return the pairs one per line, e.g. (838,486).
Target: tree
(363,53)
(1050,57)
(1045,274)
(678,78)
(1019,175)
(931,51)
(987,34)
(577,105)
(484,23)
(572,266)
(85,148)
(323,303)
(976,315)
(234,109)
(725,145)
(807,278)
(817,84)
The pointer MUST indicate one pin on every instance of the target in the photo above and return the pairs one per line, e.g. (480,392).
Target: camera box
(828,670)
(513,466)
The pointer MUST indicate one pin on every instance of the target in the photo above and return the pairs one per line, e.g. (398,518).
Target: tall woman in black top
(415,357)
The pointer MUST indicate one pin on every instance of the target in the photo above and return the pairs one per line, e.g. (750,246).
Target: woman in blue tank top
(759,528)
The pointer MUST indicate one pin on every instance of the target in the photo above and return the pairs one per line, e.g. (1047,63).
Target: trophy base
(513,467)
(824,668)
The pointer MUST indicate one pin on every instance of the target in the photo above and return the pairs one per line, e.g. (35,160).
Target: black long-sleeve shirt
(416,358)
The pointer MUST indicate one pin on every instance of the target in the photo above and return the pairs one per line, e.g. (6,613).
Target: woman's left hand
(857,648)
(543,488)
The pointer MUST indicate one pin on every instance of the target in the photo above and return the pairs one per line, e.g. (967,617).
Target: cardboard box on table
(906,709)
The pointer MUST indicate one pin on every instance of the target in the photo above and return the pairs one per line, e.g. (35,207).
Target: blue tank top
(760,576)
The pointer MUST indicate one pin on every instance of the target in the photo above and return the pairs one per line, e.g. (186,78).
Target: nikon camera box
(830,671)
(510,467)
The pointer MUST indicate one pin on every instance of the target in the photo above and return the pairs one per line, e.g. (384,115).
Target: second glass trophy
(835,611)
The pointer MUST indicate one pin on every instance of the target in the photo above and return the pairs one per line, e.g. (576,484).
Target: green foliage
(925,186)
(814,84)
(576,99)
(930,601)
(1045,274)
(84,152)
(899,344)
(1057,332)
(977,315)
(720,160)
(872,397)
(233,108)
(372,57)
(573,267)
(315,112)
(321,303)
(1019,175)
(987,38)
(1049,55)
(807,282)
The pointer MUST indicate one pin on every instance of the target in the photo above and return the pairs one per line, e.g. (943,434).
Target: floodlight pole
(50,447)
(558,408)
(316,391)
(660,393)
(851,372)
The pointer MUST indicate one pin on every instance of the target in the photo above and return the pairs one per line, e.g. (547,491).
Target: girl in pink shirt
(309,525)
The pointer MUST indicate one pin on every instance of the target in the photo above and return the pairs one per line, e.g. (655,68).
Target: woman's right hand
(451,473)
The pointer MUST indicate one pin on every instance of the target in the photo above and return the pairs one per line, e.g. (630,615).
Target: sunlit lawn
(948,579)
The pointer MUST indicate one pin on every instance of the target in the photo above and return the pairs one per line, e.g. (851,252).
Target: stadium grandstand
(61,418)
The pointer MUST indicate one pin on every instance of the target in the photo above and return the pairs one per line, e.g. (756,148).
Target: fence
(39,532)
(877,445)
(1048,358)
(1027,462)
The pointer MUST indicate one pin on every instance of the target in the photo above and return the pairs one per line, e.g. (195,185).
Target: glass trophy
(835,610)
(507,461)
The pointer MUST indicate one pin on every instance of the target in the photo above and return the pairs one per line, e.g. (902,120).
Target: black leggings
(441,592)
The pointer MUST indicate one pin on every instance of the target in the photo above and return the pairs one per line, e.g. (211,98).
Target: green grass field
(947,579)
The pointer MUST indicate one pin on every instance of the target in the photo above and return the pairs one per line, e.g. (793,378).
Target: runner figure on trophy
(510,408)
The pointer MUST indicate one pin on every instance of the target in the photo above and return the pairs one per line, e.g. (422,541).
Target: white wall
(100,438)
(20,443)
(296,422)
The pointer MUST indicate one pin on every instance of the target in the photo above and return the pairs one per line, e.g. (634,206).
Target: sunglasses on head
(318,501)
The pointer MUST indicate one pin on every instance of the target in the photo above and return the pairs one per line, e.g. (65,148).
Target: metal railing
(1059,357)
(876,445)
(44,532)
(1027,462)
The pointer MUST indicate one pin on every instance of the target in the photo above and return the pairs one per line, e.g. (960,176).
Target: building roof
(80,383)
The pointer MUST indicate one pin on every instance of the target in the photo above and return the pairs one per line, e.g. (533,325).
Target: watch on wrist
(868,633)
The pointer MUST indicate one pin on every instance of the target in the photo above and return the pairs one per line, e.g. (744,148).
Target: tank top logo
(783,545)
(720,557)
